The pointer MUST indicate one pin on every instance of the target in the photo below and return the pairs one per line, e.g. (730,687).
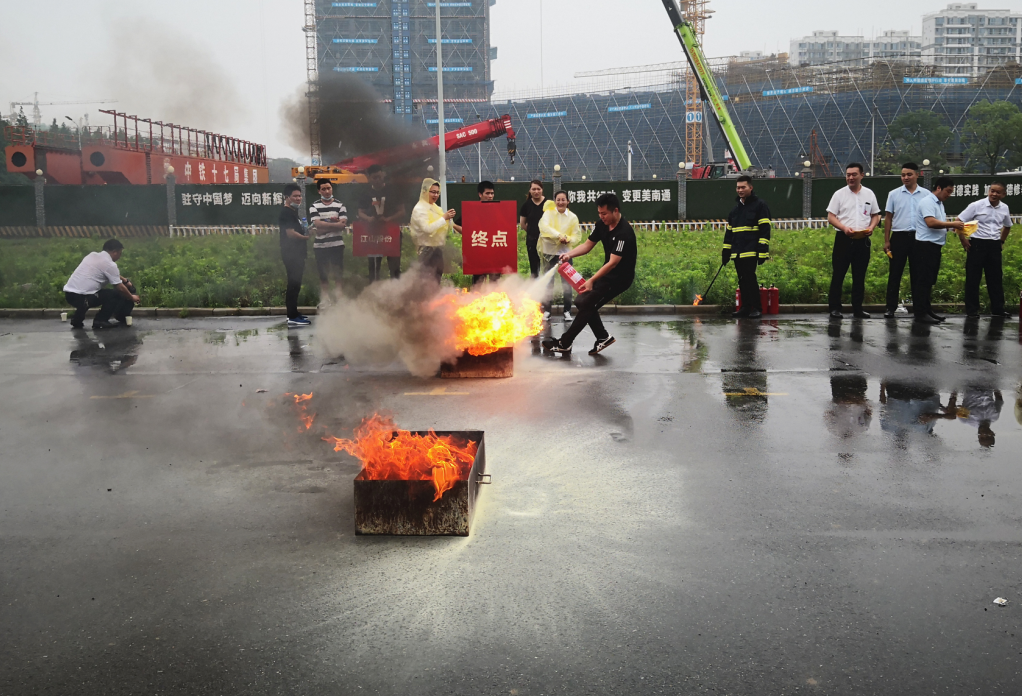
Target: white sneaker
(546,316)
(567,316)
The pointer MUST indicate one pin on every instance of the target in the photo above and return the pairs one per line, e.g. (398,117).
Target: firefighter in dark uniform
(747,241)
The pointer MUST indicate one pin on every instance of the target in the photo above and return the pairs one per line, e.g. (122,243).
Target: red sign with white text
(489,237)
(375,239)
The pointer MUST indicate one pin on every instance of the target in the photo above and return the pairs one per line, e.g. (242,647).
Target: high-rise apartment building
(830,47)
(965,40)
(391,44)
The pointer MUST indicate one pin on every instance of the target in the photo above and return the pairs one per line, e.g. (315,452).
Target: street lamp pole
(440,109)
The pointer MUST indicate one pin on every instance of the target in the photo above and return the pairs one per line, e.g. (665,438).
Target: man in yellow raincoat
(429,227)
(558,233)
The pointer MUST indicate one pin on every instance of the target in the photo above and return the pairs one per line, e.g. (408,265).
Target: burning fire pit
(415,483)
(500,363)
(487,328)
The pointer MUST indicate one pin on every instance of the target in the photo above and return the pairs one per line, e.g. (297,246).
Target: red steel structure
(136,151)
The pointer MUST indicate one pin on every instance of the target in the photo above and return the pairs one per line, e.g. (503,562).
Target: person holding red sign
(429,227)
(486,192)
(380,206)
(614,277)
(558,233)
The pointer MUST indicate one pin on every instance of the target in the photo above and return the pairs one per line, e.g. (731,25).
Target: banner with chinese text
(489,237)
(375,239)
(228,204)
(640,200)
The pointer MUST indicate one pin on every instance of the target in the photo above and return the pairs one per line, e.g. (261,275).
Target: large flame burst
(390,454)
(486,323)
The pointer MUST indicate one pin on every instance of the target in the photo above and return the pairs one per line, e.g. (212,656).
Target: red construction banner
(489,237)
(375,239)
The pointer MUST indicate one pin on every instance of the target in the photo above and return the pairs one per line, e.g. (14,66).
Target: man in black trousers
(294,248)
(84,289)
(747,240)
(983,249)
(853,211)
(620,252)
(931,234)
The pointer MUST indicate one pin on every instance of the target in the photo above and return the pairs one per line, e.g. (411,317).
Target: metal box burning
(467,366)
(408,508)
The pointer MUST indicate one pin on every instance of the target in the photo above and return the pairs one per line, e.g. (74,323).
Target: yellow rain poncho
(428,226)
(553,226)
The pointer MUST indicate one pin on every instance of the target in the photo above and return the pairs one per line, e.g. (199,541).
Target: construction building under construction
(830,114)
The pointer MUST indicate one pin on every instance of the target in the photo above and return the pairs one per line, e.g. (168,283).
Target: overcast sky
(227,65)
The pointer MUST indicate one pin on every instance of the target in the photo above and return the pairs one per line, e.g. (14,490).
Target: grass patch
(244,271)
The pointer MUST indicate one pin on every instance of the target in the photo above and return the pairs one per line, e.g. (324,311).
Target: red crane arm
(467,135)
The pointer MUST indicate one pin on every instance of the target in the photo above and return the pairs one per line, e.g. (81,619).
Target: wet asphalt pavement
(781,507)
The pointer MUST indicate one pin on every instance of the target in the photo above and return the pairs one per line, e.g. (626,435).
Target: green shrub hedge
(244,271)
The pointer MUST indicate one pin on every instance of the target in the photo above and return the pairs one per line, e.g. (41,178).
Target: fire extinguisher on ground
(738,299)
(775,299)
(764,300)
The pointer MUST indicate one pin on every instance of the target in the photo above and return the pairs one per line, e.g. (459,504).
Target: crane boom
(346,170)
(707,85)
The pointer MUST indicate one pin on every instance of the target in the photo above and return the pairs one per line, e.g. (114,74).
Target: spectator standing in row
(931,234)
(900,232)
(294,248)
(614,277)
(558,233)
(529,216)
(329,220)
(747,240)
(487,193)
(983,249)
(429,227)
(854,213)
(380,205)
(84,289)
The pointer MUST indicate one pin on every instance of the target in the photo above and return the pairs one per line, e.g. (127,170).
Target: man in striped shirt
(328,219)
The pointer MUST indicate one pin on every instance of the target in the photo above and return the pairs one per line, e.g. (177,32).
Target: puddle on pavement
(114,350)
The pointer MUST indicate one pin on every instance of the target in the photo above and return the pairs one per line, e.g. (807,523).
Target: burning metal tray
(498,364)
(407,507)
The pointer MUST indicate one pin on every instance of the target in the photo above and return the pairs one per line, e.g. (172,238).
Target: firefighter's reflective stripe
(764,254)
(727,246)
(743,229)
(763,240)
(765,221)
(746,254)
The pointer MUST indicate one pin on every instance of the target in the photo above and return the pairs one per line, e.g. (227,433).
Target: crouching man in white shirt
(85,289)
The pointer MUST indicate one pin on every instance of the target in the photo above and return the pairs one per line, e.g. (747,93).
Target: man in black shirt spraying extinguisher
(747,241)
(614,277)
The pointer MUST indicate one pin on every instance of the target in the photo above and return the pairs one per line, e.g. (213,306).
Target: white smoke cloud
(406,320)
(167,75)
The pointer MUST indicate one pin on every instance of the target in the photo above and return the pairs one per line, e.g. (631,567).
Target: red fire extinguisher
(573,277)
(738,299)
(764,300)
(775,300)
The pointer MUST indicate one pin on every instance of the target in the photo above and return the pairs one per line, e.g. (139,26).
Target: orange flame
(390,454)
(303,414)
(699,298)
(486,323)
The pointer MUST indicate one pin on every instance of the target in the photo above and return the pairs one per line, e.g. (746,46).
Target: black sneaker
(860,314)
(77,325)
(98,325)
(602,345)
(889,314)
(554,345)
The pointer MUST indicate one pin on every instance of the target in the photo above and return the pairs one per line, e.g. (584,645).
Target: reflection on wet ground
(792,503)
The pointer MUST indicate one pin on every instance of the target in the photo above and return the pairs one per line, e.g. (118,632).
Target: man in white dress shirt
(853,211)
(84,289)
(983,249)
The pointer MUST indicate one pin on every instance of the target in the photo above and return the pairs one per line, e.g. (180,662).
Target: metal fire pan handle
(481,478)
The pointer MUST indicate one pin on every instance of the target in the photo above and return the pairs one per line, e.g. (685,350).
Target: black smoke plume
(353,120)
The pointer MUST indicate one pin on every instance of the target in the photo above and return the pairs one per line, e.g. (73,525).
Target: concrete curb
(684,310)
